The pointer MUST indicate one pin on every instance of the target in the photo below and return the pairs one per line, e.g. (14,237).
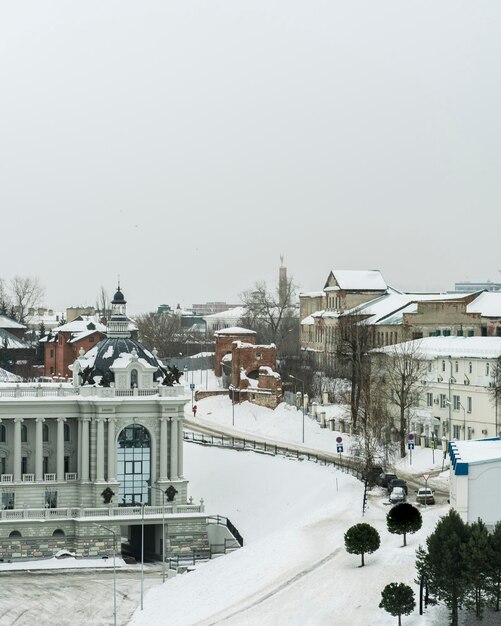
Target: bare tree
(26,292)
(103,306)
(273,315)
(495,389)
(404,370)
(353,345)
(160,331)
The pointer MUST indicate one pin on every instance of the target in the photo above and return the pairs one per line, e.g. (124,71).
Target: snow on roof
(8,377)
(235,312)
(308,321)
(11,342)
(474,451)
(311,294)
(456,347)
(82,335)
(488,304)
(80,324)
(8,322)
(235,330)
(360,280)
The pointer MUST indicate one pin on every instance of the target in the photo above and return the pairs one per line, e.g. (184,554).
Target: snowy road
(79,598)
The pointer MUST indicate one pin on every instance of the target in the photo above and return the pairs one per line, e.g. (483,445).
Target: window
(51,499)
(258,356)
(456,402)
(59,532)
(430,364)
(52,353)
(66,464)
(470,432)
(447,332)
(133,378)
(470,332)
(24,433)
(442,401)
(429,399)
(487,369)
(483,331)
(438,333)
(15,534)
(46,465)
(459,332)
(2,433)
(470,367)
(456,367)
(456,431)
(2,465)
(469,404)
(8,500)
(443,366)
(91,339)
(66,432)
(24,465)
(45,433)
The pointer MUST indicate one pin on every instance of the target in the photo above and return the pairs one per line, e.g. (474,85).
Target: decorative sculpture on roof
(172,376)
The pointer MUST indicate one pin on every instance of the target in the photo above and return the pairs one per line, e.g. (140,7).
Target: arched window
(59,532)
(66,432)
(133,378)
(2,433)
(15,533)
(133,465)
(24,433)
(45,432)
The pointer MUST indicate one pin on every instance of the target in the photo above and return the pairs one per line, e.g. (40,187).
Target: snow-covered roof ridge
(360,280)
(8,322)
(487,303)
(235,330)
(235,312)
(457,347)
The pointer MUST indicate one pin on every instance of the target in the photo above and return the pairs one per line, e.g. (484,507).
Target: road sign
(339,448)
(426,476)
(192,386)
(410,437)
(185,367)
(339,439)
(410,445)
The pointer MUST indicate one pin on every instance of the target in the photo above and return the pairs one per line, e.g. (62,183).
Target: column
(79,449)
(39,449)
(85,448)
(111,450)
(164,452)
(180,443)
(60,449)
(173,449)
(17,449)
(100,450)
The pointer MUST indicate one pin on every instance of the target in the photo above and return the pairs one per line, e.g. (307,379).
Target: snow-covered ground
(293,568)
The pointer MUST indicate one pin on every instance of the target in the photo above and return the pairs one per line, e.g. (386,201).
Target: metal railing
(350,466)
(224,521)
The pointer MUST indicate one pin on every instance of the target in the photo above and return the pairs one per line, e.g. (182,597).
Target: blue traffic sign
(410,445)
(192,386)
(185,368)
(339,449)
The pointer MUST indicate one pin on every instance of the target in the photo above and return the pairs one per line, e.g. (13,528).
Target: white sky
(186,145)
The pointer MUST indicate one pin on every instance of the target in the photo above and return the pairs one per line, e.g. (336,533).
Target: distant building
(209,308)
(467,286)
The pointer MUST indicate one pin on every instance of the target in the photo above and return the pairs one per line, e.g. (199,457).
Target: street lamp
(163,528)
(302,400)
(142,554)
(114,573)
(232,389)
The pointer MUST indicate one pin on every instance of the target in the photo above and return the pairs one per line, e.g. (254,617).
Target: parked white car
(397,495)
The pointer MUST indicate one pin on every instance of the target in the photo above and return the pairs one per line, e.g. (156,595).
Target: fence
(353,467)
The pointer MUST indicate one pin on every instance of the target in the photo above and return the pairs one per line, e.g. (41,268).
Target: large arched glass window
(133,465)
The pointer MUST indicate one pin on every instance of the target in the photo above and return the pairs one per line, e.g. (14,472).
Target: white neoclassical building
(106,448)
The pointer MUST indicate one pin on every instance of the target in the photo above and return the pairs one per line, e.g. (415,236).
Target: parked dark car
(397,482)
(385,478)
(371,474)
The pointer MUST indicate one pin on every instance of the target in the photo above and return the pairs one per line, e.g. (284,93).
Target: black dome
(108,350)
(118,297)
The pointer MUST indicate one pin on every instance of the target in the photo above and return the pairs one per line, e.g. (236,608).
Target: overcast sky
(186,145)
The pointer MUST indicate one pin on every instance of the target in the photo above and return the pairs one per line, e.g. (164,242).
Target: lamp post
(464,421)
(142,554)
(114,573)
(302,400)
(232,389)
(163,528)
